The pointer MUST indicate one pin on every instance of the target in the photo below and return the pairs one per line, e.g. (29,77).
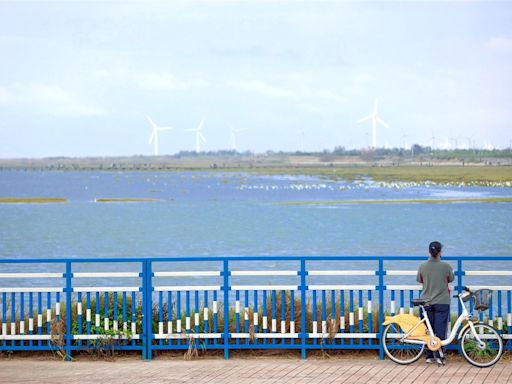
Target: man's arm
(451,276)
(419,277)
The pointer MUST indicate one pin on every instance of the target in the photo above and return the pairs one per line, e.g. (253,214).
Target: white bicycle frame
(464,316)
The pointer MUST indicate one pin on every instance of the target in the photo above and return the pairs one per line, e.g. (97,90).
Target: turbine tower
(302,140)
(199,135)
(154,135)
(233,137)
(433,141)
(375,119)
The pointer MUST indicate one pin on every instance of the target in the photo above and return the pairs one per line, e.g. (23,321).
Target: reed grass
(488,200)
(31,200)
(126,200)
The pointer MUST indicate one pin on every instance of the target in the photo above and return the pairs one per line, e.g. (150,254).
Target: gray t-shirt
(435,276)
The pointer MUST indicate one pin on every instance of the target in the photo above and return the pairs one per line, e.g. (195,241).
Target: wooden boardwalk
(248,371)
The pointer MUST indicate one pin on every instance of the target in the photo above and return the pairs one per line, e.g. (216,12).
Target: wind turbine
(154,135)
(199,135)
(433,141)
(375,119)
(404,138)
(233,133)
(302,140)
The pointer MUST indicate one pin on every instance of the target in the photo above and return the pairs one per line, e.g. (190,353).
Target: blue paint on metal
(499,309)
(237,315)
(225,288)
(144,328)
(206,328)
(255,308)
(69,323)
(303,331)
(274,318)
(360,317)
(380,288)
(265,313)
(370,326)
(246,314)
(40,314)
(160,313)
(215,319)
(351,311)
(31,314)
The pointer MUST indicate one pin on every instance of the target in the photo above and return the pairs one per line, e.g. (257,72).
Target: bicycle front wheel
(399,351)
(485,353)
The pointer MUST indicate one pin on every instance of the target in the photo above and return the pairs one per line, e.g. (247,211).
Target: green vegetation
(31,200)
(126,200)
(405,201)
(105,347)
(470,175)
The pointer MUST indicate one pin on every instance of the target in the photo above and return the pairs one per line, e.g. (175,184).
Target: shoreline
(474,175)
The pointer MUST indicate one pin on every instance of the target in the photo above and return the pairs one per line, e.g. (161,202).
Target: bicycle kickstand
(440,359)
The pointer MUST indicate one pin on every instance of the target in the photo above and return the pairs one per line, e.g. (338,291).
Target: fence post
(303,325)
(69,314)
(226,309)
(459,290)
(147,334)
(459,281)
(381,306)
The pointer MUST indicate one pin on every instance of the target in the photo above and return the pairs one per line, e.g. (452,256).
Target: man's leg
(431,317)
(442,314)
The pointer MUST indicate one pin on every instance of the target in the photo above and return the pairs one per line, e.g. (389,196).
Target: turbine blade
(382,122)
(151,138)
(165,128)
(201,137)
(367,118)
(376,106)
(152,122)
(200,126)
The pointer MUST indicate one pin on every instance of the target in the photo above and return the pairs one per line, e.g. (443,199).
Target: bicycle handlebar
(463,288)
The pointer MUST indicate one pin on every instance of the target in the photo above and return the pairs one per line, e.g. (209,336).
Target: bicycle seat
(419,301)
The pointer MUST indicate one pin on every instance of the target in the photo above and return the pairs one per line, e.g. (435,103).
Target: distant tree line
(416,150)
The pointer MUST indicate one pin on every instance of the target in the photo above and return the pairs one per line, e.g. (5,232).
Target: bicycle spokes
(484,348)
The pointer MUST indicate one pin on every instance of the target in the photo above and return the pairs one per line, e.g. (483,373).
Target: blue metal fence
(224,303)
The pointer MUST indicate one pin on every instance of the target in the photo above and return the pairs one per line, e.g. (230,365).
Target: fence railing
(224,303)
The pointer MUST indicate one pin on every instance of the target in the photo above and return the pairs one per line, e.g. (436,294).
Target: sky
(79,78)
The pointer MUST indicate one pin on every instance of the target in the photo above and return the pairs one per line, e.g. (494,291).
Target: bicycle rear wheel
(398,351)
(485,354)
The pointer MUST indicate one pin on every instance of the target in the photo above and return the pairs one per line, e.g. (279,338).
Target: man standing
(435,276)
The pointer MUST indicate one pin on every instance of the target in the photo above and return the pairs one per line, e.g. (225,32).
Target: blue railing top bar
(251,258)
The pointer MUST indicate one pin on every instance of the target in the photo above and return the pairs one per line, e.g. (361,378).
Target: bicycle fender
(462,330)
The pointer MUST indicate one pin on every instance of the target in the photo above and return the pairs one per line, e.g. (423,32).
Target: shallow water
(203,213)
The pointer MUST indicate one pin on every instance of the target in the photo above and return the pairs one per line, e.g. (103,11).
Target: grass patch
(405,201)
(31,200)
(126,200)
(472,175)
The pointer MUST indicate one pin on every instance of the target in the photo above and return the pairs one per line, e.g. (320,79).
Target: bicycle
(405,336)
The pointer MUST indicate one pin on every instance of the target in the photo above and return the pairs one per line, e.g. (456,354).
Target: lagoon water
(218,214)
(214,213)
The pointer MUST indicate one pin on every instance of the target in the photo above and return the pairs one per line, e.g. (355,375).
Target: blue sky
(78,79)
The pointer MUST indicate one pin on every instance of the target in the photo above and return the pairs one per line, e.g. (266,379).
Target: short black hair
(434,248)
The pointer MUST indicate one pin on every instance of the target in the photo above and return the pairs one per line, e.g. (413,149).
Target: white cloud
(158,81)
(5,95)
(48,100)
(500,43)
(297,93)
(167,81)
